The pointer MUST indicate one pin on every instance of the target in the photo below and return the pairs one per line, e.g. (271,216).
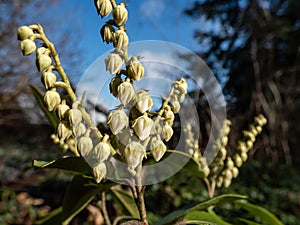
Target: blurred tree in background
(253,47)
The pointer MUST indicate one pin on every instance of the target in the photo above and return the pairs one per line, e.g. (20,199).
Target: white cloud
(152,8)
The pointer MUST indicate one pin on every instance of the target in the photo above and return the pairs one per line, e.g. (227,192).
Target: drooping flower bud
(125,92)
(43,62)
(237,160)
(229,163)
(113,62)
(63,131)
(99,172)
(51,100)
(114,84)
(167,132)
(143,101)
(142,126)
(235,172)
(102,151)
(227,182)
(79,130)
(107,33)
(24,32)
(135,69)
(85,146)
(120,14)
(121,39)
(61,111)
(42,51)
(117,120)
(175,106)
(27,47)
(104,7)
(74,117)
(134,154)
(244,156)
(48,79)
(168,115)
(157,148)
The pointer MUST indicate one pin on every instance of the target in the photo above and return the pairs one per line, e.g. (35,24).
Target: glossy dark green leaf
(201,216)
(265,216)
(73,164)
(247,222)
(126,201)
(227,198)
(51,116)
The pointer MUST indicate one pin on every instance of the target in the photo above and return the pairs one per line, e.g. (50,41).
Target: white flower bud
(224,140)
(85,146)
(125,92)
(63,131)
(244,156)
(223,153)
(229,163)
(242,147)
(142,126)
(235,172)
(169,116)
(102,151)
(134,154)
(48,79)
(79,130)
(61,111)
(104,7)
(157,148)
(135,69)
(51,100)
(117,120)
(114,84)
(120,38)
(175,106)
(219,181)
(167,132)
(42,51)
(259,129)
(99,172)
(27,47)
(143,101)
(227,182)
(107,33)
(249,145)
(24,32)
(113,63)
(43,62)
(237,160)
(74,117)
(120,14)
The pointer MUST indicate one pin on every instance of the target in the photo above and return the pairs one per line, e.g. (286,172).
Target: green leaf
(258,211)
(78,195)
(126,201)
(248,222)
(73,164)
(205,216)
(54,217)
(51,116)
(192,166)
(169,219)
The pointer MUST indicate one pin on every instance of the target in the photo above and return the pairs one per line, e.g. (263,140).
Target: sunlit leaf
(75,165)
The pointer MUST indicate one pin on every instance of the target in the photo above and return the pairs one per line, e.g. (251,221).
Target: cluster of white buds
(240,155)
(220,147)
(75,131)
(143,129)
(194,150)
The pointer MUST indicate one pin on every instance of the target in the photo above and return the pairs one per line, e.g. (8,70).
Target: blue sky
(148,20)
